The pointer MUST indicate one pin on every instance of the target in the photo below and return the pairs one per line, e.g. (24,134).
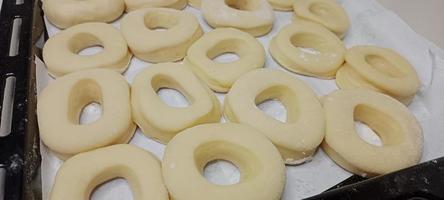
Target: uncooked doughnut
(132,5)
(381,70)
(298,138)
(283,5)
(60,105)
(262,172)
(398,129)
(161,121)
(138,28)
(252,16)
(220,76)
(67,13)
(325,12)
(79,175)
(60,52)
(309,49)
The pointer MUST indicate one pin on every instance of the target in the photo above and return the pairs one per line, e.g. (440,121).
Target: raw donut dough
(381,70)
(67,13)
(398,129)
(160,46)
(195,3)
(252,16)
(60,105)
(132,5)
(261,168)
(79,175)
(60,52)
(220,76)
(161,121)
(298,138)
(325,12)
(309,49)
(284,5)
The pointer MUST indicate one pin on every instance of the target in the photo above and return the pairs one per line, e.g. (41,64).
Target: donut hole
(222,172)
(85,98)
(85,44)
(383,66)
(227,51)
(245,5)
(278,102)
(323,11)
(160,21)
(383,126)
(218,157)
(308,44)
(170,92)
(111,189)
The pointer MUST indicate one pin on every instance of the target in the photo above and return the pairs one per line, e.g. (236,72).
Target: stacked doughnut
(376,84)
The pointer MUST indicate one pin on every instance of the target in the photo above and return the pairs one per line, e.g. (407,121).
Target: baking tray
(20,153)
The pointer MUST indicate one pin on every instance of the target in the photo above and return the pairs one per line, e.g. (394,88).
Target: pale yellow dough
(262,172)
(298,138)
(309,49)
(67,13)
(60,52)
(379,69)
(398,129)
(195,3)
(220,76)
(325,12)
(138,28)
(161,121)
(252,16)
(79,175)
(132,5)
(283,5)
(60,104)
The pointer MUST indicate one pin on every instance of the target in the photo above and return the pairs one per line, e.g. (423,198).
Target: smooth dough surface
(182,29)
(283,5)
(328,13)
(195,3)
(298,138)
(60,104)
(397,128)
(252,16)
(309,49)
(161,121)
(261,168)
(78,176)
(60,52)
(67,13)
(218,75)
(379,69)
(132,5)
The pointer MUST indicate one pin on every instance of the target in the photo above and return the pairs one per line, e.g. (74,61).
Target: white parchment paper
(370,24)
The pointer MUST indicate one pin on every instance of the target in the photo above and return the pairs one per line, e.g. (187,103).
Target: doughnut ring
(132,5)
(325,12)
(252,16)
(188,153)
(60,52)
(79,175)
(284,5)
(67,13)
(60,105)
(298,138)
(220,76)
(309,49)
(160,121)
(160,46)
(398,129)
(381,70)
